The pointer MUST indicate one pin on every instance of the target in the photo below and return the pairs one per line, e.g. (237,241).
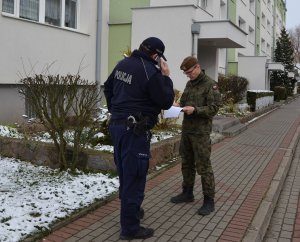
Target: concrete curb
(261,220)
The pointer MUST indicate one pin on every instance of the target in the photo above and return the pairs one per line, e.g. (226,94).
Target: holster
(138,123)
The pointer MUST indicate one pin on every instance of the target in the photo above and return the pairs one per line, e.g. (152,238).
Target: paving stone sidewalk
(285,221)
(250,169)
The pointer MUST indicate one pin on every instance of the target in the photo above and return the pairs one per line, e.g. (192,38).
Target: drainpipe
(98,48)
(226,50)
(195,29)
(194,45)
(274,29)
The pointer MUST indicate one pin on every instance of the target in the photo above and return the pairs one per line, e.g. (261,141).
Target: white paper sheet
(172,112)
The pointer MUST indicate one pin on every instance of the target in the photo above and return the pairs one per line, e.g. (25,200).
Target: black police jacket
(135,86)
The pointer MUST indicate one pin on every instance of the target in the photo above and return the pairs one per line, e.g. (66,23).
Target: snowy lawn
(34,197)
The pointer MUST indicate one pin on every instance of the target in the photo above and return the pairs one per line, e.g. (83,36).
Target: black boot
(207,207)
(143,233)
(186,196)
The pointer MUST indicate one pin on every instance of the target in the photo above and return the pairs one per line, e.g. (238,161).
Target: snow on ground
(9,132)
(33,197)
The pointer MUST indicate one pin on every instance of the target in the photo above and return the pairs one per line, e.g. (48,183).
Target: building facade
(90,36)
(49,36)
(218,32)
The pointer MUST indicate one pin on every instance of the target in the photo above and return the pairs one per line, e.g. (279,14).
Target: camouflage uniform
(195,146)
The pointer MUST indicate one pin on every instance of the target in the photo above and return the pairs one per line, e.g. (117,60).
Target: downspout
(98,49)
(274,28)
(194,45)
(255,28)
(195,29)
(226,50)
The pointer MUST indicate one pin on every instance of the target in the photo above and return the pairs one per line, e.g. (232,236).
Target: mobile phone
(158,59)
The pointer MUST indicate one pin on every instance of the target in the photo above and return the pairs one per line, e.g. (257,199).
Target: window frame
(42,13)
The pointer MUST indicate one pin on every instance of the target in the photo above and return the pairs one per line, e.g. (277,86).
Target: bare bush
(64,104)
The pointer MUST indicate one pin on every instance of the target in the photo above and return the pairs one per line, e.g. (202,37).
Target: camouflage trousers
(195,150)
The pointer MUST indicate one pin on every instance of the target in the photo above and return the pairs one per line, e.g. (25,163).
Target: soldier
(200,101)
(136,91)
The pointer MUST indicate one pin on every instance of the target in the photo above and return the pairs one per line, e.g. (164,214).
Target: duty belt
(139,124)
(129,121)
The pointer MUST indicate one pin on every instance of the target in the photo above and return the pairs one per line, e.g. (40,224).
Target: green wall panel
(120,10)
(116,46)
(232,68)
(120,18)
(232,11)
(232,18)
(282,9)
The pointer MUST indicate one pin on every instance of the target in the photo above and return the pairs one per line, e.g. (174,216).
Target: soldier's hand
(188,109)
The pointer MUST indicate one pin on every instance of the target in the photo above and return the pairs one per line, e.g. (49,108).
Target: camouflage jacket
(203,94)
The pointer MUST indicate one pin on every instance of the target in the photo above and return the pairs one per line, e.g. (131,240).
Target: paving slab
(249,170)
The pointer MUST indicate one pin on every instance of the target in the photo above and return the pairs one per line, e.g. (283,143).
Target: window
(52,12)
(8,6)
(61,13)
(268,49)
(202,4)
(223,10)
(29,9)
(251,35)
(29,111)
(252,6)
(263,19)
(263,45)
(70,13)
(269,5)
(268,26)
(242,23)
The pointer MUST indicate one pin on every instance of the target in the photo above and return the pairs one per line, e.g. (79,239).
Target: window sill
(43,24)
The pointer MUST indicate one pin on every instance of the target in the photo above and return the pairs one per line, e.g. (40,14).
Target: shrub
(62,104)
(280,93)
(232,88)
(257,99)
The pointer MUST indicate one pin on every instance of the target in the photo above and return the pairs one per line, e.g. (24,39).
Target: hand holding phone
(158,60)
(164,67)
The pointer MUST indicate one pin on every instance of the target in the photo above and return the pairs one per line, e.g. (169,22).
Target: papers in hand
(172,112)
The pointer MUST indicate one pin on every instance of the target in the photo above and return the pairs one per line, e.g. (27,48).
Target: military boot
(207,207)
(186,196)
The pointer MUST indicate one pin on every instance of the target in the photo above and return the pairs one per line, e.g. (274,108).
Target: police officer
(136,91)
(200,101)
